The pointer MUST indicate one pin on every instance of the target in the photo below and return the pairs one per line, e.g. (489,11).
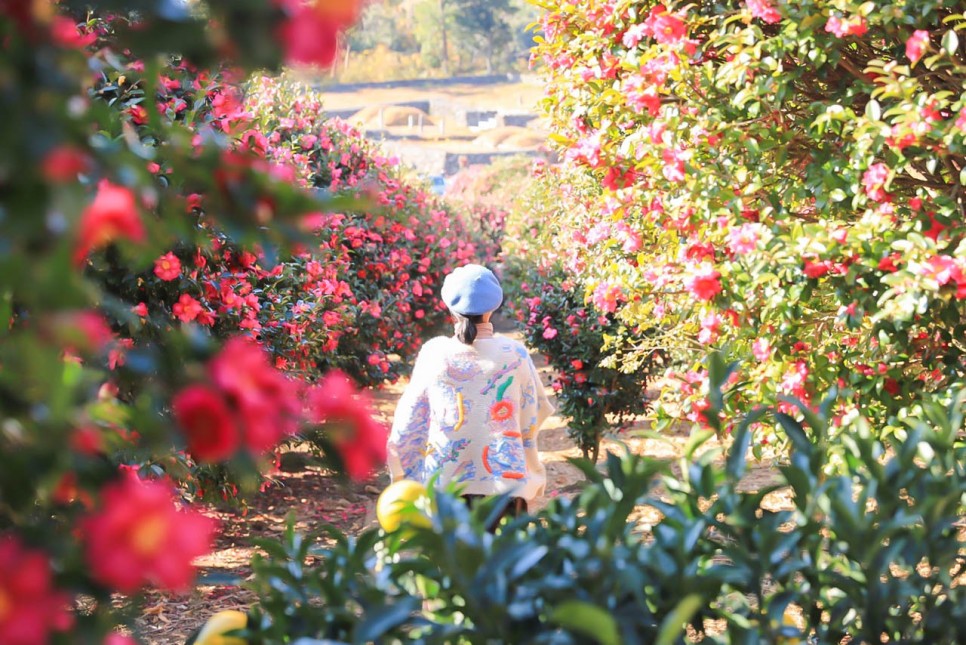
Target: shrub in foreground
(644,555)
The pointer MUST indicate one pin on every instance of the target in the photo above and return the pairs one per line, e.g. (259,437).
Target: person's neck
(484,330)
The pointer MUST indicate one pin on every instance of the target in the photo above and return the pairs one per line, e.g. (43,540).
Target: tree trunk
(445,45)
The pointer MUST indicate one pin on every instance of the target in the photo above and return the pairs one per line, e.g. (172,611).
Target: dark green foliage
(869,554)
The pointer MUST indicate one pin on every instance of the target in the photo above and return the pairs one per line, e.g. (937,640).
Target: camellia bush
(546,294)
(588,387)
(794,173)
(175,293)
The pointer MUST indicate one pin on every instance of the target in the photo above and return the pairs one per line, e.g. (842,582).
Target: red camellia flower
(816,269)
(63,164)
(112,215)
(167,267)
(82,331)
(138,537)
(666,28)
(310,32)
(138,114)
(187,308)
(207,423)
(30,606)
(359,438)
(917,44)
(87,440)
(704,283)
(65,32)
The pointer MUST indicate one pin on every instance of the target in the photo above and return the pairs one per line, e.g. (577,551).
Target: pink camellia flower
(138,537)
(642,96)
(854,26)
(916,45)
(944,269)
(704,283)
(549,333)
(81,331)
(116,638)
(764,10)
(961,119)
(710,327)
(761,349)
(634,35)
(31,607)
(112,215)
(187,308)
(606,296)
(794,381)
(666,28)
(874,181)
(673,164)
(743,239)
(630,239)
(359,438)
(167,267)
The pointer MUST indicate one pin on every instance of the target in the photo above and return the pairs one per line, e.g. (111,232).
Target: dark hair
(466,327)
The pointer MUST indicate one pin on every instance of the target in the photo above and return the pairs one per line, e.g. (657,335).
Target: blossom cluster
(770,212)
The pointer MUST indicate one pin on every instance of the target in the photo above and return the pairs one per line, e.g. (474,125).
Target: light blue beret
(472,290)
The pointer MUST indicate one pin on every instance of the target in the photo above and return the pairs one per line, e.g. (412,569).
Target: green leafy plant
(873,553)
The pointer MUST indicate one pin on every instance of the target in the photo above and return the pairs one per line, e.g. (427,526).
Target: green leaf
(588,468)
(380,620)
(673,625)
(590,620)
(873,112)
(697,439)
(735,464)
(950,42)
(795,432)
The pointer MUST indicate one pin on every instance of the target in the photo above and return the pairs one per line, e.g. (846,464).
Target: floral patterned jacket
(471,413)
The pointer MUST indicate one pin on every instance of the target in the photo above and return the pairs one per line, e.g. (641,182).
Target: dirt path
(316,497)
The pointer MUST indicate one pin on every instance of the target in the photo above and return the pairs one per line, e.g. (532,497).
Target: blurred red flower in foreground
(266,402)
(207,422)
(63,164)
(30,606)
(359,438)
(112,215)
(249,403)
(139,537)
(310,32)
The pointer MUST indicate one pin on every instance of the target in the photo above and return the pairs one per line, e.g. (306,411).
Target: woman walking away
(474,405)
